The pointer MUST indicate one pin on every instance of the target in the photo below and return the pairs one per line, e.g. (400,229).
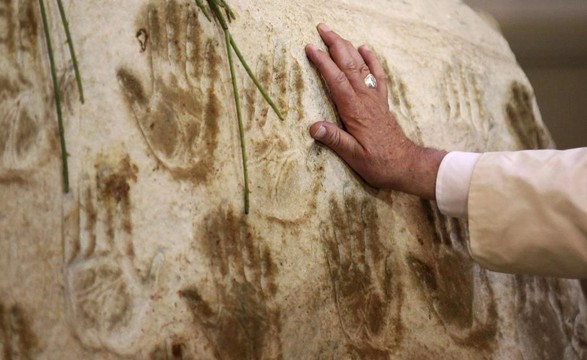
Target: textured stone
(150,254)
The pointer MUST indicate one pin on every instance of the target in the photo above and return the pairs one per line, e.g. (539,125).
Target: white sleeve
(453,182)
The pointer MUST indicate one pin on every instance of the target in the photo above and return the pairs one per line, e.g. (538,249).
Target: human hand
(374,145)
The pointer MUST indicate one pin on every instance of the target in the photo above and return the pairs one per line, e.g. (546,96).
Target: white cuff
(453,181)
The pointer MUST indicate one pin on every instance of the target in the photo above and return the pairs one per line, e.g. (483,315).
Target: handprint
(457,289)
(244,323)
(569,301)
(465,110)
(107,300)
(17,341)
(283,169)
(541,330)
(522,121)
(401,105)
(179,110)
(24,102)
(367,296)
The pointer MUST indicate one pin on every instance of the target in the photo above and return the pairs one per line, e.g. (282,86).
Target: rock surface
(151,256)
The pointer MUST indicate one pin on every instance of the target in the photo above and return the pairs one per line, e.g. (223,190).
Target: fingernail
(324,27)
(320,132)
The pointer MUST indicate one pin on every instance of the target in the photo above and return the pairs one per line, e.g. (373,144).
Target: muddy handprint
(520,117)
(244,320)
(367,295)
(401,105)
(24,102)
(548,326)
(457,290)
(461,93)
(178,110)
(283,169)
(17,341)
(107,299)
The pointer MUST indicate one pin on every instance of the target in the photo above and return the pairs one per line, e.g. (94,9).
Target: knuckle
(340,77)
(364,69)
(351,65)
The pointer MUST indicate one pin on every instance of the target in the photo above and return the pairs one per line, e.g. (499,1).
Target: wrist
(421,170)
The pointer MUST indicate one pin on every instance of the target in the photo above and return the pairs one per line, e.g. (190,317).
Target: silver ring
(370,81)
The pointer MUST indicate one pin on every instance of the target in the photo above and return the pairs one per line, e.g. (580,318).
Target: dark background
(549,38)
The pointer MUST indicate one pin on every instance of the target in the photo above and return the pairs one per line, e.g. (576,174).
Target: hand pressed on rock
(373,144)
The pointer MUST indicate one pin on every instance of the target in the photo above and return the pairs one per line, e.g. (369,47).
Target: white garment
(527,210)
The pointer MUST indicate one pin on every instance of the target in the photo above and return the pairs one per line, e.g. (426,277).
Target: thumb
(340,141)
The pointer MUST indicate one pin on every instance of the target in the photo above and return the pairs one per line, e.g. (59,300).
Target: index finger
(336,79)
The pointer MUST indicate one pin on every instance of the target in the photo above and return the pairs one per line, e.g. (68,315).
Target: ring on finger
(370,81)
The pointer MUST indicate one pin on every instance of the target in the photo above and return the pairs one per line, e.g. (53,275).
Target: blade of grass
(254,78)
(78,78)
(216,10)
(240,119)
(57,97)
(200,4)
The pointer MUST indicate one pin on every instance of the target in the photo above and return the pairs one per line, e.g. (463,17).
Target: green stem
(241,129)
(200,4)
(227,10)
(257,83)
(78,78)
(57,98)
(216,11)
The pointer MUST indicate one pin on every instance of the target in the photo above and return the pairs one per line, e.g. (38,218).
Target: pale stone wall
(150,254)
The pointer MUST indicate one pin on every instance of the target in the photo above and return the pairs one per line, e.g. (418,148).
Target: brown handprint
(461,92)
(283,169)
(179,109)
(368,297)
(540,327)
(522,121)
(107,300)
(244,321)
(17,341)
(24,102)
(401,104)
(457,289)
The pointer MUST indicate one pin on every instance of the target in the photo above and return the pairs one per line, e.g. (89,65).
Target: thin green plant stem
(78,78)
(240,120)
(254,78)
(214,8)
(218,13)
(57,98)
(200,4)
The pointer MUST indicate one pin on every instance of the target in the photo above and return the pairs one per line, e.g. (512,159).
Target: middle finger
(346,57)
